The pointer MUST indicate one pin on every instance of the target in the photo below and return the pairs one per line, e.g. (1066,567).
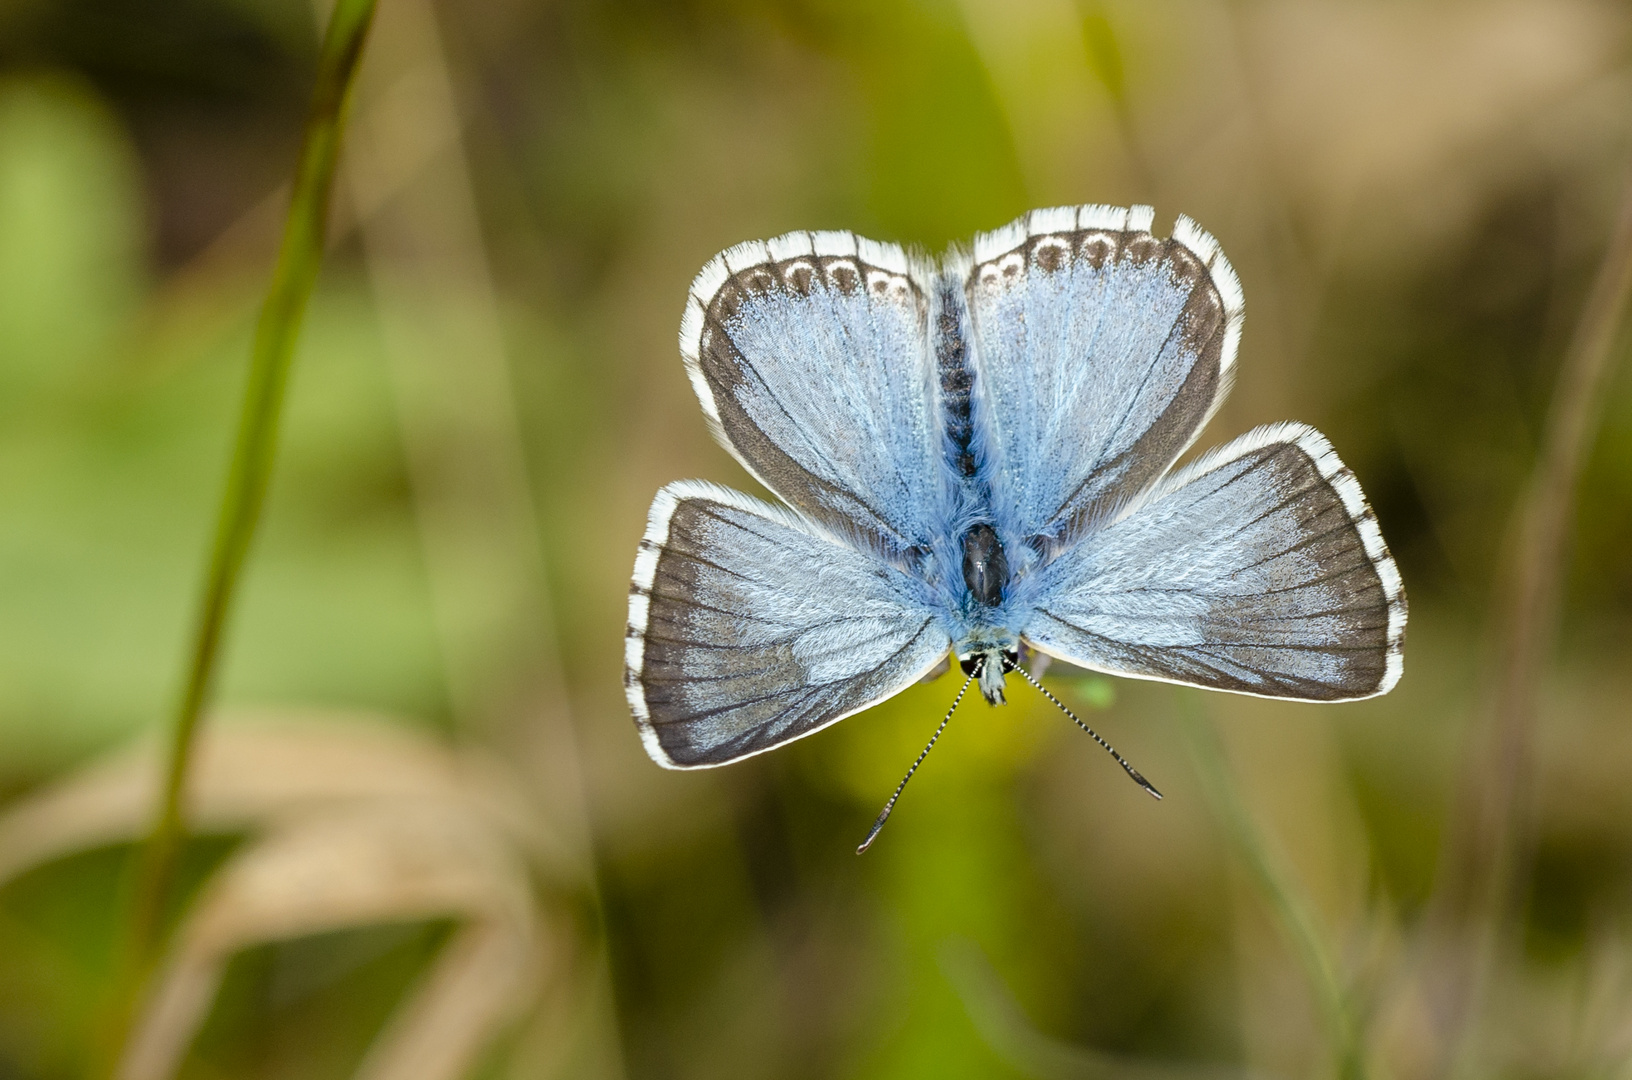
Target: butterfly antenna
(884,815)
(1120,760)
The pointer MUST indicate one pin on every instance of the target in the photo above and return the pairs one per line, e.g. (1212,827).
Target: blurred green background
(488,393)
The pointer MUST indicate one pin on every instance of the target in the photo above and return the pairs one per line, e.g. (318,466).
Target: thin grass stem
(1278,886)
(276,335)
(1489,838)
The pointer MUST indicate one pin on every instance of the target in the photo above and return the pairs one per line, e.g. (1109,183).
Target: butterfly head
(991,664)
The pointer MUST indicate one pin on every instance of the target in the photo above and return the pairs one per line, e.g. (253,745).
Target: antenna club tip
(878,827)
(1120,760)
(1143,782)
(1146,784)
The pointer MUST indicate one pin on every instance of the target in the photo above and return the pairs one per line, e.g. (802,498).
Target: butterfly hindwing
(810,356)
(1258,569)
(1100,352)
(747,630)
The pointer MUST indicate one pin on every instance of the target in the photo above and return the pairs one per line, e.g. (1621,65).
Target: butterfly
(975,457)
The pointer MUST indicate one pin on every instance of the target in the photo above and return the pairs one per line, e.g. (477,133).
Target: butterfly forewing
(1259,570)
(747,631)
(810,356)
(1100,352)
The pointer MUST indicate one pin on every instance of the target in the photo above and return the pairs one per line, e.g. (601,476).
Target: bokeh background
(429,842)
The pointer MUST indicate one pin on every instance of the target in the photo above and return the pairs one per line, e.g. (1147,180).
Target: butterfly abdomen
(956,378)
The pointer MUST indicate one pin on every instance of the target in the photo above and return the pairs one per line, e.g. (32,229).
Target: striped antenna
(884,815)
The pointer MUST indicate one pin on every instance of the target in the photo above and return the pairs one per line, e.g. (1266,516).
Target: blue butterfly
(976,456)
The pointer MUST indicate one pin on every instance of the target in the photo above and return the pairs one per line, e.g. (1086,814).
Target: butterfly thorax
(985,565)
(990,650)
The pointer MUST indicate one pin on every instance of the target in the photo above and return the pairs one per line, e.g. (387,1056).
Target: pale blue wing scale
(810,356)
(747,630)
(1259,569)
(1100,351)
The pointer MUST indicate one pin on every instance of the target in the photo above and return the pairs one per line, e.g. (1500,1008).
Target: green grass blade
(1277,884)
(276,334)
